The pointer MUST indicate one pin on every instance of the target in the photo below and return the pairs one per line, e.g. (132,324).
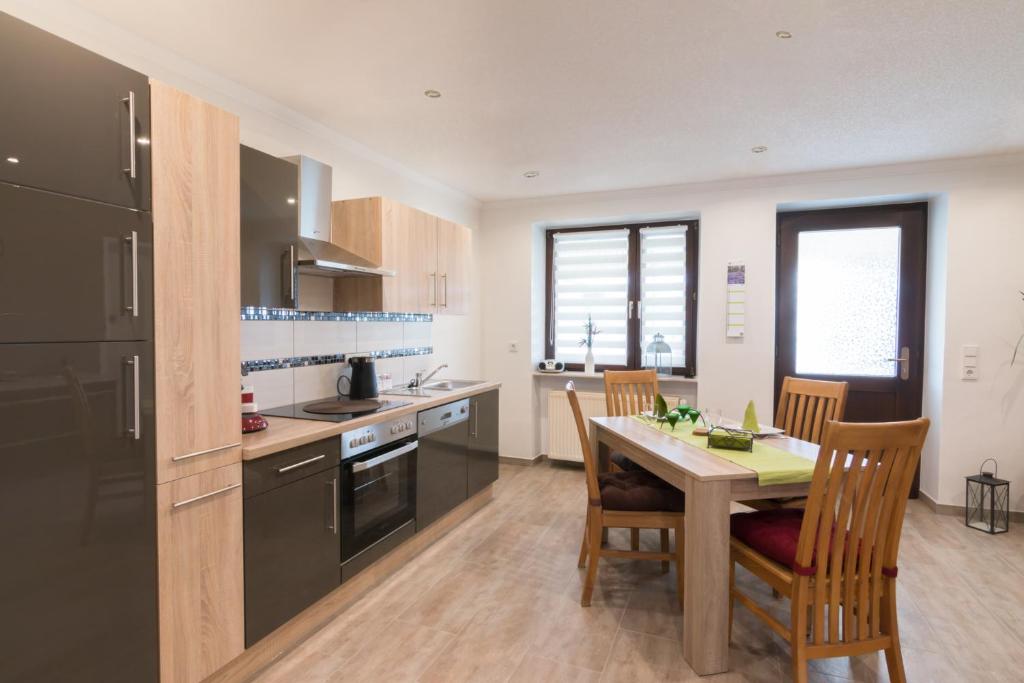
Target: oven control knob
(362,440)
(394,429)
(372,438)
(352,443)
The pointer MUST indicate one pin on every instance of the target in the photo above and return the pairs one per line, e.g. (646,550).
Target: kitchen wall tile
(317,337)
(416,334)
(393,365)
(272,387)
(378,336)
(261,339)
(316,381)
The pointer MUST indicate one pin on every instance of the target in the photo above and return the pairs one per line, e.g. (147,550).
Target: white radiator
(563,439)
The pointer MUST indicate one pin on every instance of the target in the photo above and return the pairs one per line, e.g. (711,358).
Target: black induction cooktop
(334,409)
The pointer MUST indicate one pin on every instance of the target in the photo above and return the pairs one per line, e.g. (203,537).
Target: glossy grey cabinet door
(73,270)
(482,465)
(292,550)
(67,119)
(78,578)
(440,473)
(270,226)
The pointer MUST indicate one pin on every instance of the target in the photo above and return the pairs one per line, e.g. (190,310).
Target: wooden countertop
(284,432)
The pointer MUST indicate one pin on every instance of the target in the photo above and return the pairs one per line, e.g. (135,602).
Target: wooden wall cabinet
(202,590)
(195,156)
(195,152)
(430,257)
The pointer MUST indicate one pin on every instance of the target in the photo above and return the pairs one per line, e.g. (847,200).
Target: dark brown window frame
(633,331)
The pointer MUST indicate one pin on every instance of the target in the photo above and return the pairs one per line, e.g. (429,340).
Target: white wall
(266,125)
(978,216)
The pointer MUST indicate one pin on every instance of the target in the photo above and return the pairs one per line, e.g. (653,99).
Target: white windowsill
(577,374)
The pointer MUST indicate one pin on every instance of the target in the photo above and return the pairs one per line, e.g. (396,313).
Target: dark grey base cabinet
(482,460)
(292,542)
(73,120)
(457,461)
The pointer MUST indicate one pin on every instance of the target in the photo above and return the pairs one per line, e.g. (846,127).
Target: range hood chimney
(314,202)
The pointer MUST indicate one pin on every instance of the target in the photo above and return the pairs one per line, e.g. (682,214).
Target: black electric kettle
(363,383)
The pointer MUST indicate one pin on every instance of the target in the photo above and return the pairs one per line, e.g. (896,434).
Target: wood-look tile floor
(497,599)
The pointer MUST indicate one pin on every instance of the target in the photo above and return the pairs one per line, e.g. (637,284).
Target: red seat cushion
(773,533)
(638,491)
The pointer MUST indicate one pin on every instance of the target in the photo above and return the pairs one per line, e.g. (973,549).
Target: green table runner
(773,466)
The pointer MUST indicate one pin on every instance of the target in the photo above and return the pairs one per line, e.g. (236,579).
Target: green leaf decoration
(672,418)
(660,406)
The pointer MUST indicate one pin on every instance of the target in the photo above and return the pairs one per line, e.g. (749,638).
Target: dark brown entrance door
(850,304)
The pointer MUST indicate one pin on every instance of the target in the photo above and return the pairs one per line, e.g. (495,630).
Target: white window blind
(663,290)
(591,276)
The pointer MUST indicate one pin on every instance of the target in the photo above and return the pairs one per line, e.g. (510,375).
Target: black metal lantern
(988,501)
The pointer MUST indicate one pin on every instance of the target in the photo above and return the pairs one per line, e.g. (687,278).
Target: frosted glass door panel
(847,304)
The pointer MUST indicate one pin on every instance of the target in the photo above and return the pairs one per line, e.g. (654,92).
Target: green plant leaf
(660,407)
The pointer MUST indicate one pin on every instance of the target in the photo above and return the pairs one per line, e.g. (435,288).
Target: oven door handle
(381,459)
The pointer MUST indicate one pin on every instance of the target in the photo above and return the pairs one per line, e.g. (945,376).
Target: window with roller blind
(635,281)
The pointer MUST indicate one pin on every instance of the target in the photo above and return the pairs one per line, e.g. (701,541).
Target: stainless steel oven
(378,491)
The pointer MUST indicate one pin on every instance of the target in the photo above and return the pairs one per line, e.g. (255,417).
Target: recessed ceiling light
(759,149)
(13,160)
(434,94)
(531,174)
(291,200)
(785,35)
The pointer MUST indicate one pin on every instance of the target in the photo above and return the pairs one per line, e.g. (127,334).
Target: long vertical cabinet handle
(444,280)
(291,274)
(136,427)
(474,407)
(333,526)
(132,166)
(133,241)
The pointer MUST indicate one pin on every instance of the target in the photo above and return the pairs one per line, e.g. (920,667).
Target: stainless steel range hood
(325,258)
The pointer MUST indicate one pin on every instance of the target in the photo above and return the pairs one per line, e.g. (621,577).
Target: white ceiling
(613,94)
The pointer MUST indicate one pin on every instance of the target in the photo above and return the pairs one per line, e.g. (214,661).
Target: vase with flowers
(590,329)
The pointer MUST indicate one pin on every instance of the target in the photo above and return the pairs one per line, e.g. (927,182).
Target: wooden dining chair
(836,560)
(630,500)
(805,405)
(629,392)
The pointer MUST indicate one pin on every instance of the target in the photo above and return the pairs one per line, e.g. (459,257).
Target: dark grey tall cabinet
(78,581)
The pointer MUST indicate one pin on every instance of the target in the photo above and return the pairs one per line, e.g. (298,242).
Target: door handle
(196,499)
(904,360)
(333,526)
(186,456)
(135,429)
(381,459)
(289,468)
(133,240)
(132,166)
(444,288)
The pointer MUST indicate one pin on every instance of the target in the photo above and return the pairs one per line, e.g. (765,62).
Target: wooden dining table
(711,483)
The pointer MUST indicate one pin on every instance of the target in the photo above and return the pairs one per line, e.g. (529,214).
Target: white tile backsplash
(322,337)
(416,334)
(378,336)
(263,339)
(392,365)
(316,381)
(272,387)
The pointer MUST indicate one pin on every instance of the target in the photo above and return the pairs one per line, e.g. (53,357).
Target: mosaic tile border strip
(304,361)
(261,313)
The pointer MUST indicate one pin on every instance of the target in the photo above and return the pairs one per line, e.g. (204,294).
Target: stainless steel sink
(452,384)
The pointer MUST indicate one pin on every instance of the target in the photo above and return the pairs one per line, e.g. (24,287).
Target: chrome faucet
(420,379)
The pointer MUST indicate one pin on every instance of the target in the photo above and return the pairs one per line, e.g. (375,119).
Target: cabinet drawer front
(199,549)
(106,252)
(67,119)
(285,467)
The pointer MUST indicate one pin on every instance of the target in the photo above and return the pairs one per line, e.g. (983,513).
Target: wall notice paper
(736,300)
